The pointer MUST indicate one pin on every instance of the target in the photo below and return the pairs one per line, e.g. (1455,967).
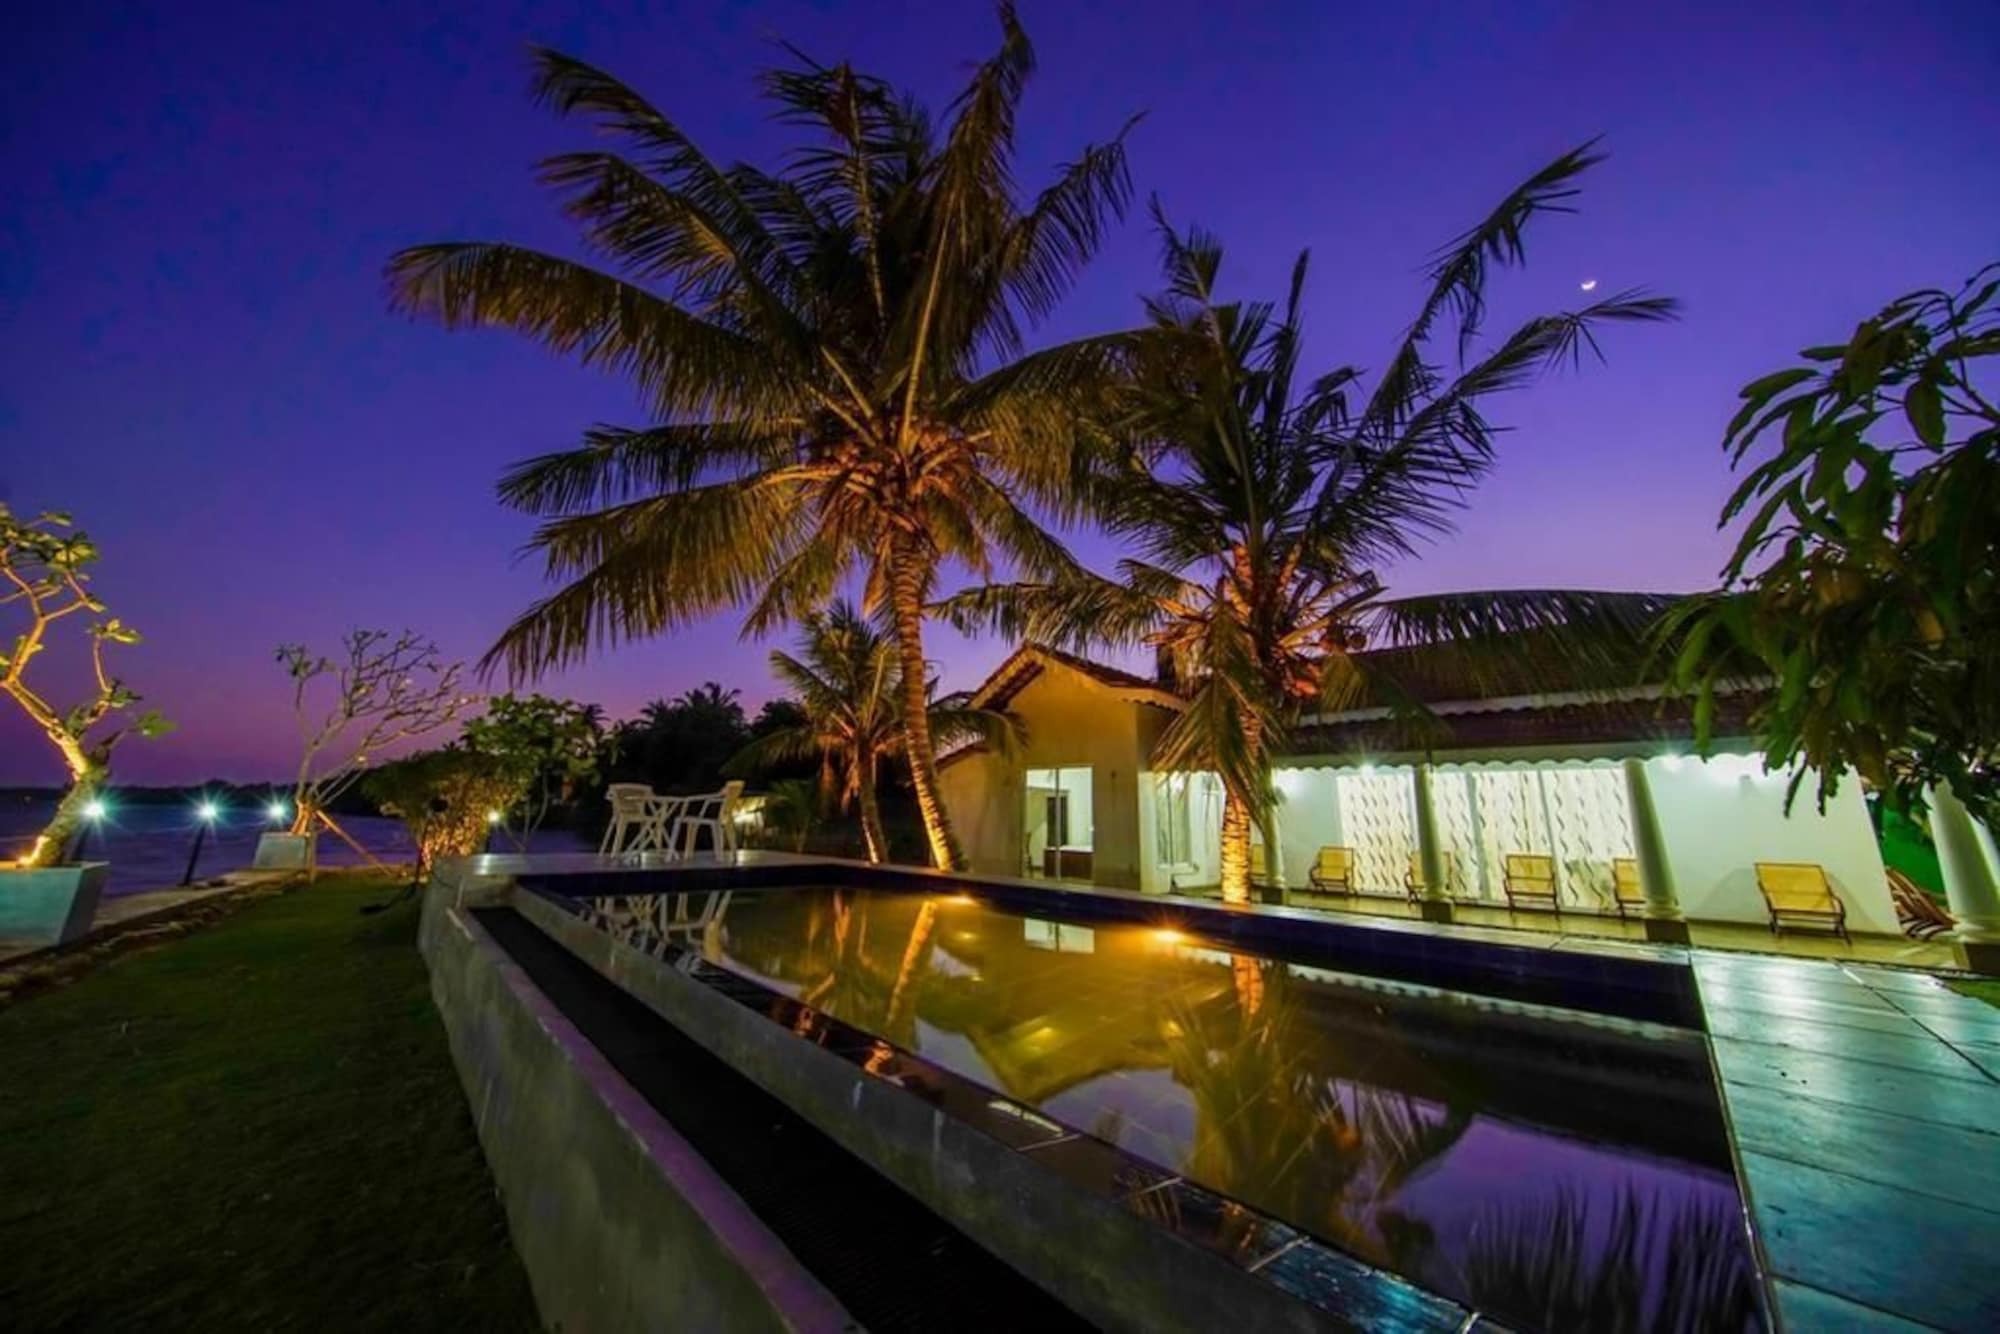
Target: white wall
(1721,815)
(1308,819)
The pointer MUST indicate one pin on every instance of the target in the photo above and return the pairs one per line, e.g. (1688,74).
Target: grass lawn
(254,1127)
(1986,989)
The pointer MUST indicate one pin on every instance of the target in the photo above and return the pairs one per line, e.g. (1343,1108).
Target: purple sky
(196,359)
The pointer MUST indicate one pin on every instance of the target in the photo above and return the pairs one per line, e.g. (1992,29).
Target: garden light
(494,817)
(206,814)
(93,809)
(277,810)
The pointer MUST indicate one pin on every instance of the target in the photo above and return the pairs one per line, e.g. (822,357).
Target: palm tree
(849,682)
(833,356)
(1259,508)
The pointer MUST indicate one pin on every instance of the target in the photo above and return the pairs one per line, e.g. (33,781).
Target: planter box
(284,852)
(50,905)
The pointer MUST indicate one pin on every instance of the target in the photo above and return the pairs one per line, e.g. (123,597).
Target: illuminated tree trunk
(871,816)
(1236,820)
(906,594)
(1235,848)
(87,776)
(1248,974)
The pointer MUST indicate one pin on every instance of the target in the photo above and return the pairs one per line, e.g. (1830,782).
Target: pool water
(1559,1171)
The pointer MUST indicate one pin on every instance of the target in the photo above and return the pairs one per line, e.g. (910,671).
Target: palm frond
(1046,248)
(683,365)
(664,151)
(616,463)
(638,569)
(773,750)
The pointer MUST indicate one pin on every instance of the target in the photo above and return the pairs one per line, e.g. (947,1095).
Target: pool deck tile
(1927,1157)
(1810,1309)
(1870,1146)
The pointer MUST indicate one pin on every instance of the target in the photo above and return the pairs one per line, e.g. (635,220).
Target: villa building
(1586,778)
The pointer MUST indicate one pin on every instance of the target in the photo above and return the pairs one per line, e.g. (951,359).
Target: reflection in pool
(1561,1173)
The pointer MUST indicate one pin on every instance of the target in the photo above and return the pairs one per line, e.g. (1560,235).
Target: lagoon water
(148,846)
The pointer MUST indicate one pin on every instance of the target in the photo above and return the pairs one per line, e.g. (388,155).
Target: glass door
(1059,833)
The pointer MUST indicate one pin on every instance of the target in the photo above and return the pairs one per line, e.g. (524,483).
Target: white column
(1966,853)
(1649,848)
(1436,906)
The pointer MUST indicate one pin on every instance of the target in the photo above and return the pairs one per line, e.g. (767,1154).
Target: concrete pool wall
(619,1222)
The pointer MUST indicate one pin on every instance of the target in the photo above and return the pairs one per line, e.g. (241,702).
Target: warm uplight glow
(1166,935)
(93,809)
(958,900)
(277,810)
(208,810)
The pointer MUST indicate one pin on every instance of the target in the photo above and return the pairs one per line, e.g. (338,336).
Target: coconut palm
(832,355)
(849,681)
(1259,506)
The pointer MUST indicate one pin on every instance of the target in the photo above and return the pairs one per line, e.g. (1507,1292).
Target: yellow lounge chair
(1333,871)
(1530,877)
(1797,893)
(1627,894)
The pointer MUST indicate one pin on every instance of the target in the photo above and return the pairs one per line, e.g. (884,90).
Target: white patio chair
(638,813)
(712,811)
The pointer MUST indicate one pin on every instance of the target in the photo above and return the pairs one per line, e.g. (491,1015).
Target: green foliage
(1866,586)
(791,811)
(445,798)
(44,581)
(302,1158)
(550,746)
(832,358)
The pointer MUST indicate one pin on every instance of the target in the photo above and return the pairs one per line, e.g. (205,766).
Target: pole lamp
(494,819)
(205,815)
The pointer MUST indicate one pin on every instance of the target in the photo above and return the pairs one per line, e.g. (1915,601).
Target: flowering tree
(44,580)
(385,689)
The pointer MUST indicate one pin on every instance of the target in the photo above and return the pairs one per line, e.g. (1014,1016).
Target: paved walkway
(1866,1108)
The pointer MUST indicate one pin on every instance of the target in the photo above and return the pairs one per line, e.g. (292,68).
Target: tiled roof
(1478,705)
(1029,661)
(1571,724)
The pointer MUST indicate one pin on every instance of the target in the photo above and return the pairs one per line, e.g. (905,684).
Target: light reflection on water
(1562,1175)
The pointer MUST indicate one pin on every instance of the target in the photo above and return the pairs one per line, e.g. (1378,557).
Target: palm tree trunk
(1235,848)
(872,834)
(906,602)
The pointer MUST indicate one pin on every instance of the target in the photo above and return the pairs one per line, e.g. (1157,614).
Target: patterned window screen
(1378,820)
(1577,814)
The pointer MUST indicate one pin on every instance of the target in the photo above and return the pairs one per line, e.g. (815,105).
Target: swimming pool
(1560,1170)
